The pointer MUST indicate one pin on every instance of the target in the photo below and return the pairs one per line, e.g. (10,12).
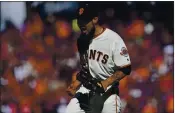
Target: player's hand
(73,87)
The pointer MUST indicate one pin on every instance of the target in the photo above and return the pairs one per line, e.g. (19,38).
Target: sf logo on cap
(81,10)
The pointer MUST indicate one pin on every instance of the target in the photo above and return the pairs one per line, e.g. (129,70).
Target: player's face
(87,27)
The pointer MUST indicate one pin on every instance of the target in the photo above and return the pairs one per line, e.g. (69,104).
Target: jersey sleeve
(120,54)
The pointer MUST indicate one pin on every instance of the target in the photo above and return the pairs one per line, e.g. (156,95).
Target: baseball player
(104,62)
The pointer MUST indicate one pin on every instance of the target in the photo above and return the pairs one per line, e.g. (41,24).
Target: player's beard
(90,35)
(85,40)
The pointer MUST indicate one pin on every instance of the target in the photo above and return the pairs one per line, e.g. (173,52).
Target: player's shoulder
(112,35)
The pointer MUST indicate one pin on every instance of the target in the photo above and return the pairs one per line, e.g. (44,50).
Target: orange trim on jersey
(116,104)
(100,33)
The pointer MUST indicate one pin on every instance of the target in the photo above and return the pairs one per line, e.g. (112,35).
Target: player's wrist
(105,84)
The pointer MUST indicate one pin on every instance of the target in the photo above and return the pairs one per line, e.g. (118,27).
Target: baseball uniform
(107,52)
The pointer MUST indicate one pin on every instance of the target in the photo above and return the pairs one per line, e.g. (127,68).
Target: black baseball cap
(87,12)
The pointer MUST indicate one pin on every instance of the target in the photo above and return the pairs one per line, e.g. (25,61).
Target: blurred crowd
(39,61)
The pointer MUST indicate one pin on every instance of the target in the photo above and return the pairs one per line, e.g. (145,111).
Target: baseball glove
(92,102)
(89,82)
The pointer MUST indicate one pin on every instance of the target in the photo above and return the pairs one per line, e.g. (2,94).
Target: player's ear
(95,20)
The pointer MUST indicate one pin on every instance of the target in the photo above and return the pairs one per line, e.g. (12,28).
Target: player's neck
(98,30)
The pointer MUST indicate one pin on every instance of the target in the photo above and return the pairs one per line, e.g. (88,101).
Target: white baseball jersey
(107,52)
